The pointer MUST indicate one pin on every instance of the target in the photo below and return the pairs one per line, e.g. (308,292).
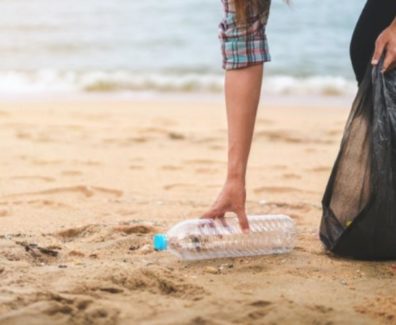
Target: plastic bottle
(199,239)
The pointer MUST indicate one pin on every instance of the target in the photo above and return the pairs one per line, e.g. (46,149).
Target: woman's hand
(232,198)
(386,42)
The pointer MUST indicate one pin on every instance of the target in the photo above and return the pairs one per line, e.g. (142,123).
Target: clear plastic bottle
(199,239)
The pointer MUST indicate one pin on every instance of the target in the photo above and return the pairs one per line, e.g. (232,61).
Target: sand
(86,183)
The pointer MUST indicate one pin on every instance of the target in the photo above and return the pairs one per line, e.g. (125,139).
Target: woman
(244,49)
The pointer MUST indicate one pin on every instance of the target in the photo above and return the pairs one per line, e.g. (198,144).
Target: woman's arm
(244,49)
(242,91)
(386,41)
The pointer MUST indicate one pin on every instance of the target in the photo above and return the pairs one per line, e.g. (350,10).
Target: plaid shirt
(243,45)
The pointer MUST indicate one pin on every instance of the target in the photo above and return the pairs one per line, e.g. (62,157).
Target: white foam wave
(48,81)
(315,85)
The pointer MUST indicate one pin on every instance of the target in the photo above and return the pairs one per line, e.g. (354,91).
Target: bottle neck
(160,242)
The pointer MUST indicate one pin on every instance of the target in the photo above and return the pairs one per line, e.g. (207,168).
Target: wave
(49,81)
(313,85)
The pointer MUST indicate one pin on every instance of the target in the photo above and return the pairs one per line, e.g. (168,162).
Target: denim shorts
(244,45)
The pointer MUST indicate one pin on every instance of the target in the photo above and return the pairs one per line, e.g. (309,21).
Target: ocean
(154,47)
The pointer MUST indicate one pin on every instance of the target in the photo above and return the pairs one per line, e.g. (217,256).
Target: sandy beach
(86,183)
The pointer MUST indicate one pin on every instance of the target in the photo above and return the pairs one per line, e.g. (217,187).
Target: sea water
(166,46)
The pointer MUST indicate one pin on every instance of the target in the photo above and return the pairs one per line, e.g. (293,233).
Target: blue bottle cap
(160,242)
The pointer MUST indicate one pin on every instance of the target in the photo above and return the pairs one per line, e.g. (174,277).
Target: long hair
(241,8)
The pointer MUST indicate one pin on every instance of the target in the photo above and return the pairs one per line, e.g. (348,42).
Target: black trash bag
(359,203)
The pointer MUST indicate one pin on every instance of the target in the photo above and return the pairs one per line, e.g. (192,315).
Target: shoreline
(269,100)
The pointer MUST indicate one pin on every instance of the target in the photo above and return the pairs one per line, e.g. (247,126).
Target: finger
(243,221)
(208,218)
(212,213)
(212,225)
(224,224)
(379,49)
(217,230)
(390,60)
(204,226)
(392,66)
(223,221)
(204,223)
(207,223)
(209,228)
(208,214)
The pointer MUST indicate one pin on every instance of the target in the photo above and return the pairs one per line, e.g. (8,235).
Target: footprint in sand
(320,169)
(291,176)
(173,135)
(154,280)
(86,191)
(279,167)
(102,231)
(40,137)
(71,173)
(199,320)
(152,129)
(47,203)
(279,190)
(289,137)
(254,268)
(288,311)
(264,121)
(47,308)
(310,150)
(74,127)
(334,132)
(135,229)
(381,308)
(164,121)
(321,309)
(136,167)
(279,135)
(203,162)
(261,309)
(36,203)
(94,117)
(178,185)
(23,135)
(138,159)
(127,212)
(137,140)
(171,167)
(33,177)
(126,141)
(206,170)
(87,162)
(206,140)
(176,136)
(41,162)
(302,207)
(77,232)
(216,147)
(260,303)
